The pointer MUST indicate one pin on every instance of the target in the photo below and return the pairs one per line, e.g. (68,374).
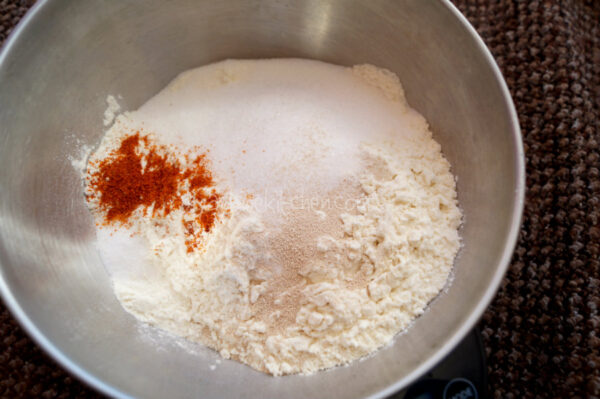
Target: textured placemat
(542,332)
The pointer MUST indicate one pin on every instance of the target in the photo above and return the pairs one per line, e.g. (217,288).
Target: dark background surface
(542,331)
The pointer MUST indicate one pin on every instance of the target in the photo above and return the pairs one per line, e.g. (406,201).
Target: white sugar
(275,125)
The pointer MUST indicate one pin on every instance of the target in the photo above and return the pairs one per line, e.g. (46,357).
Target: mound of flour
(342,220)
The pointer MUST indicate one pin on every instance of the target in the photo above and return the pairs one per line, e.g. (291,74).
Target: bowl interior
(55,75)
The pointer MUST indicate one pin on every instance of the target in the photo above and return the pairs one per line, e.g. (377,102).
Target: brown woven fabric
(542,332)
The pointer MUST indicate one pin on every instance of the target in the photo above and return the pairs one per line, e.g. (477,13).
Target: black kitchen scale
(461,375)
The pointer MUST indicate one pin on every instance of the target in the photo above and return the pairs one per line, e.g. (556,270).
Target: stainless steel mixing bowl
(61,63)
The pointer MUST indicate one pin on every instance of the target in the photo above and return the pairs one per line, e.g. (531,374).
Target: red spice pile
(141,174)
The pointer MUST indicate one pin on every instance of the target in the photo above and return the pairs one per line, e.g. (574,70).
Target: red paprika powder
(142,174)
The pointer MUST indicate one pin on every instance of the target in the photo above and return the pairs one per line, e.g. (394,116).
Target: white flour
(343,215)
(111,110)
